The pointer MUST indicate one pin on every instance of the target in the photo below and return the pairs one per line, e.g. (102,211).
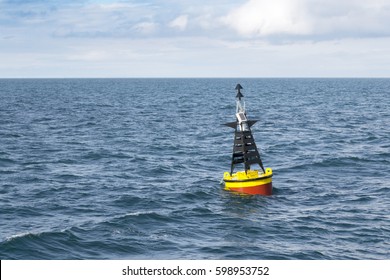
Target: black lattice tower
(244,149)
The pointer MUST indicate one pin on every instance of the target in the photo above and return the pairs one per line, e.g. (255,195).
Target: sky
(196,38)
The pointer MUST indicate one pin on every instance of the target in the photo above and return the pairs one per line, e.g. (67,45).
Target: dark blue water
(131,169)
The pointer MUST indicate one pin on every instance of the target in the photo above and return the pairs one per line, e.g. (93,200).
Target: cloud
(78,18)
(89,54)
(145,27)
(262,18)
(194,38)
(310,19)
(350,18)
(273,20)
(180,22)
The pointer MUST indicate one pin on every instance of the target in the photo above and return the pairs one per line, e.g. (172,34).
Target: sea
(132,169)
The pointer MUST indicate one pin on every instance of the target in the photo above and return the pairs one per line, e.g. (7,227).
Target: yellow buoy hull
(250,182)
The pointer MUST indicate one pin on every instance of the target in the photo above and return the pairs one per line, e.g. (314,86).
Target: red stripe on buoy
(265,189)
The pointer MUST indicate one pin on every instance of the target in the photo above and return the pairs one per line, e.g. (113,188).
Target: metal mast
(244,149)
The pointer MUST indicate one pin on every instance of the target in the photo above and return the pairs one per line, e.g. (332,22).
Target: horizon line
(229,77)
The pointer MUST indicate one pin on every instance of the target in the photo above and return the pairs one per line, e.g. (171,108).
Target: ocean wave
(332,162)
(92,176)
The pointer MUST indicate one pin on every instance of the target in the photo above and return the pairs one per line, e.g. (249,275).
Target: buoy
(245,153)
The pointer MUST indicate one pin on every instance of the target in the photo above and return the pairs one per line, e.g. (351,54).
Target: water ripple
(131,169)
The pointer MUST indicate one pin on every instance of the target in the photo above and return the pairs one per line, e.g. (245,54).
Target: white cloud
(264,17)
(310,19)
(180,22)
(90,55)
(350,18)
(145,27)
(263,37)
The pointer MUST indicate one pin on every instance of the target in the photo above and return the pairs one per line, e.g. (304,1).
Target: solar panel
(241,117)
